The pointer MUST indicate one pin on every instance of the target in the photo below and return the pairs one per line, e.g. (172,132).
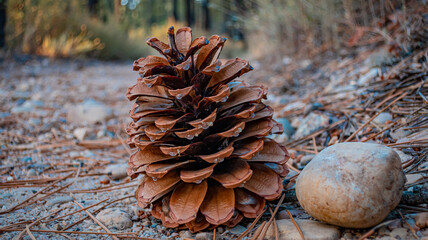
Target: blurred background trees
(117,29)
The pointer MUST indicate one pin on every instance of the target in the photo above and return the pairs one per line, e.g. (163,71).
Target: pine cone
(201,136)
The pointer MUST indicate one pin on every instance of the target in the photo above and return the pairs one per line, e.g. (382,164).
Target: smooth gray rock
(367,77)
(204,236)
(351,185)
(115,218)
(379,57)
(31,173)
(422,220)
(185,234)
(400,233)
(404,157)
(238,230)
(294,212)
(80,133)
(288,129)
(310,124)
(312,230)
(58,200)
(382,118)
(306,159)
(117,171)
(90,111)
(399,133)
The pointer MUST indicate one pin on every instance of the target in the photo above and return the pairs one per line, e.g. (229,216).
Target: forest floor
(63,153)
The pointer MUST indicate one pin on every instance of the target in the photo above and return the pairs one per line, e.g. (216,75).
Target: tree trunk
(152,18)
(93,6)
(117,11)
(175,10)
(2,23)
(190,13)
(206,13)
(226,21)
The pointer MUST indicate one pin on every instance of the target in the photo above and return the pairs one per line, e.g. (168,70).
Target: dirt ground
(63,153)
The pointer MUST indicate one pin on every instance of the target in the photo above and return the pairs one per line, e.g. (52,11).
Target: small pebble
(413,178)
(384,231)
(400,233)
(185,234)
(306,159)
(422,220)
(348,236)
(294,212)
(313,230)
(238,230)
(59,200)
(115,218)
(117,171)
(204,236)
(80,133)
(31,173)
(382,118)
(146,222)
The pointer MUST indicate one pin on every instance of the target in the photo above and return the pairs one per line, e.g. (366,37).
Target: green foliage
(117,29)
(65,29)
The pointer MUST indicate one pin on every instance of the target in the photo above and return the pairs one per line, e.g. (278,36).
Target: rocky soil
(63,153)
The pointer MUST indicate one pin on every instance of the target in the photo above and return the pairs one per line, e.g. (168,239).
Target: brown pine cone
(201,136)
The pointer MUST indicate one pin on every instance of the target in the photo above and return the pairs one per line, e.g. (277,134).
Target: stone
(364,79)
(399,133)
(58,200)
(90,111)
(185,234)
(117,171)
(306,159)
(412,178)
(379,58)
(417,136)
(80,133)
(353,185)
(422,220)
(312,230)
(288,129)
(28,106)
(238,230)
(348,236)
(312,107)
(400,233)
(115,218)
(25,159)
(204,236)
(146,222)
(382,118)
(310,124)
(384,231)
(387,238)
(294,212)
(21,95)
(404,157)
(31,173)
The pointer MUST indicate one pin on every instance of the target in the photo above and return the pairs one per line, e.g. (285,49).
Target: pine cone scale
(233,173)
(196,176)
(186,200)
(219,205)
